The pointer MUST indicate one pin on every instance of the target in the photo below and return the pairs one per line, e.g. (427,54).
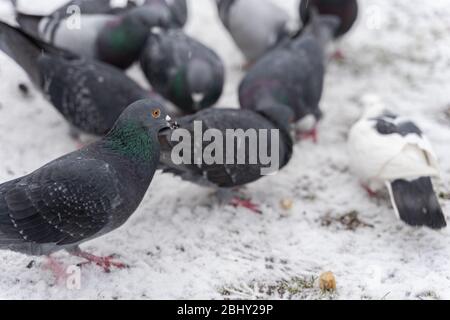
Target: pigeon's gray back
(224,175)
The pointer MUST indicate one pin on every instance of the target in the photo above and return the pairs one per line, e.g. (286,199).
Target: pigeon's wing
(219,174)
(63,203)
(416,158)
(385,149)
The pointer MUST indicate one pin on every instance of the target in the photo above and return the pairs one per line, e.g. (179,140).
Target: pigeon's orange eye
(156,113)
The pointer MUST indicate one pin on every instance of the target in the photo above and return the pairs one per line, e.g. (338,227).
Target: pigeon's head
(148,116)
(148,17)
(322,27)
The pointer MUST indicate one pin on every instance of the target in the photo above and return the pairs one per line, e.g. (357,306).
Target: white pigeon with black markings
(390,151)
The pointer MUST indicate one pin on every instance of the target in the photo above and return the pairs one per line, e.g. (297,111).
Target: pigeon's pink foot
(369,191)
(245,203)
(310,135)
(338,55)
(106,263)
(247,65)
(79,145)
(58,269)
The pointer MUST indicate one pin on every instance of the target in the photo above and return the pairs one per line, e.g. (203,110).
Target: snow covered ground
(181,244)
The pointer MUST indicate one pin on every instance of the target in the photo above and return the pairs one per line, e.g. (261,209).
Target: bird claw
(370,192)
(245,203)
(313,135)
(106,263)
(58,270)
(338,55)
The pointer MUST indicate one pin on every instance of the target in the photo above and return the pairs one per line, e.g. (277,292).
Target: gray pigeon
(116,39)
(183,70)
(256,26)
(178,8)
(90,95)
(292,74)
(85,194)
(224,175)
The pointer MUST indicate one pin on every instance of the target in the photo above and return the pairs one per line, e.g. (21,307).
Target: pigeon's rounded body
(90,95)
(225,175)
(292,75)
(380,151)
(256,26)
(346,10)
(183,70)
(116,38)
(386,150)
(84,194)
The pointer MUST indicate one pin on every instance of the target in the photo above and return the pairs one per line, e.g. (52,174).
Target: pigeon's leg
(302,135)
(57,268)
(247,65)
(75,134)
(233,198)
(104,262)
(239,202)
(338,55)
(370,192)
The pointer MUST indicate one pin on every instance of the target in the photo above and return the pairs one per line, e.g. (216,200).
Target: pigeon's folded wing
(390,156)
(58,205)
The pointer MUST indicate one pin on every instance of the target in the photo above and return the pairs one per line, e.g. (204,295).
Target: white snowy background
(181,244)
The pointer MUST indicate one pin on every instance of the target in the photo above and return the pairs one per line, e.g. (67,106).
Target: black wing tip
(417,203)
(436,220)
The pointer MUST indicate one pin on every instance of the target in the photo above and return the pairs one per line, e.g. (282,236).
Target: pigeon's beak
(171,123)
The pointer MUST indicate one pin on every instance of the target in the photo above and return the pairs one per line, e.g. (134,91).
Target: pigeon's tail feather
(416,203)
(22,48)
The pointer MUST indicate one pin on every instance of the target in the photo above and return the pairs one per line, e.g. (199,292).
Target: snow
(182,244)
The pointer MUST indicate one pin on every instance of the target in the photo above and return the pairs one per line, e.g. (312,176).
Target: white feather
(378,158)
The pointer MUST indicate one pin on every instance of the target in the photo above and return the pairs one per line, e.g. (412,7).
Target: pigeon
(222,174)
(346,10)
(116,39)
(85,194)
(90,95)
(183,70)
(180,12)
(178,8)
(292,75)
(387,150)
(256,26)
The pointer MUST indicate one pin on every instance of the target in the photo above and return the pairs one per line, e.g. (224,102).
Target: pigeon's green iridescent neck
(178,84)
(133,141)
(126,37)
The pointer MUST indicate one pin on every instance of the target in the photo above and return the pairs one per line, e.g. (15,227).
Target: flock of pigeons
(92,191)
